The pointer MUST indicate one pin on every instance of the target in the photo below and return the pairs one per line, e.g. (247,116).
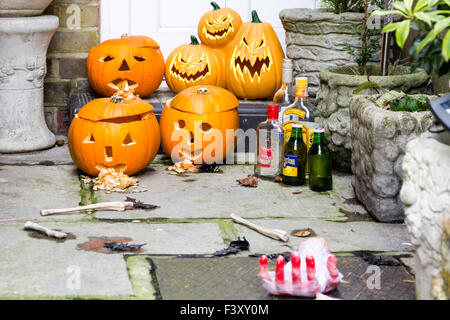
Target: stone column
(24,42)
(426,196)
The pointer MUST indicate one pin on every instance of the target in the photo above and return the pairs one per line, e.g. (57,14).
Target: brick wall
(66,58)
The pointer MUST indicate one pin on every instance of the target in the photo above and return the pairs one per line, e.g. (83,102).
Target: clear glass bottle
(269,145)
(320,175)
(295,153)
(285,96)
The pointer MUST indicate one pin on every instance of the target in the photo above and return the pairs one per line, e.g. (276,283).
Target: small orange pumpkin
(116,132)
(218,27)
(136,59)
(194,64)
(195,122)
(254,61)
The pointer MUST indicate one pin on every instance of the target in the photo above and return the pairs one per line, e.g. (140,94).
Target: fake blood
(279,270)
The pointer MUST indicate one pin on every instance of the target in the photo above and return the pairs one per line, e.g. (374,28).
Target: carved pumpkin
(114,132)
(136,59)
(218,27)
(194,64)
(255,61)
(195,122)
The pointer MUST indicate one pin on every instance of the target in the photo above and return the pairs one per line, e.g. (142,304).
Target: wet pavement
(193,219)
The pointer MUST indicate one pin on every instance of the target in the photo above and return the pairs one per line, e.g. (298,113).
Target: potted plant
(426,164)
(337,86)
(316,38)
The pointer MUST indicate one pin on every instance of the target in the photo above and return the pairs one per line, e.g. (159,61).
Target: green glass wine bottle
(320,176)
(295,153)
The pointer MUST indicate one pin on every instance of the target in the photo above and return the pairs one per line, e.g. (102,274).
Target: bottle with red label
(269,145)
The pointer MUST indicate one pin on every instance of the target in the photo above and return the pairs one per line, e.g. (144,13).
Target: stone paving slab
(215,195)
(348,236)
(25,190)
(38,267)
(236,278)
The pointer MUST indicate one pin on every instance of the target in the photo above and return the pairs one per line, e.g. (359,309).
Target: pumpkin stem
(194,40)
(215,5)
(124,35)
(255,18)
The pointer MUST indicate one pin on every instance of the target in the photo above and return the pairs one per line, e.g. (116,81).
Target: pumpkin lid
(202,99)
(110,108)
(133,41)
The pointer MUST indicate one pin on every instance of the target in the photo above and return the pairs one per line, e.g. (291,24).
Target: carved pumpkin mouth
(189,77)
(115,84)
(254,68)
(220,33)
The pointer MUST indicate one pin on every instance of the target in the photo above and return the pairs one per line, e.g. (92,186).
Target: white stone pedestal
(23,7)
(24,42)
(426,196)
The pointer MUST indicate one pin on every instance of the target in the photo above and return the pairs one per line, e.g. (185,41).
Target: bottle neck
(301,92)
(319,138)
(296,133)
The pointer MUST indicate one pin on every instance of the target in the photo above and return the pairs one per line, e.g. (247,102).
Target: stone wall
(315,40)
(379,139)
(426,196)
(78,31)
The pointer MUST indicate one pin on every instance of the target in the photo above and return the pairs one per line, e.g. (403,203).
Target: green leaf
(401,7)
(408,4)
(423,16)
(391,27)
(420,5)
(446,46)
(438,27)
(386,12)
(402,32)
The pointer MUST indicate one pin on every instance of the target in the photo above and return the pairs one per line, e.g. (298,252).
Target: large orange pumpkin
(254,61)
(136,59)
(194,64)
(197,124)
(114,132)
(218,27)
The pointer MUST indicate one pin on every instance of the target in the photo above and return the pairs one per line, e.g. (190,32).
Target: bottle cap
(287,63)
(319,130)
(272,111)
(302,81)
(297,125)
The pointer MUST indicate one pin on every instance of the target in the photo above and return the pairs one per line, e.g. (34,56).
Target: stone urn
(23,8)
(24,42)
(315,40)
(426,196)
(378,140)
(333,98)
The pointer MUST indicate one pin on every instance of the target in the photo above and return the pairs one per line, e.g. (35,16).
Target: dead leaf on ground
(297,192)
(302,233)
(278,178)
(250,181)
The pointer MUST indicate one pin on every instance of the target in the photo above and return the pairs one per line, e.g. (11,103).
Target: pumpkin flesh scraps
(182,167)
(114,180)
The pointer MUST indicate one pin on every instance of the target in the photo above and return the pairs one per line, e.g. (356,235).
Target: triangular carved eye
(89,139)
(128,141)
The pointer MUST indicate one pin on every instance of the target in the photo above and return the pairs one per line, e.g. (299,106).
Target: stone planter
(333,98)
(315,40)
(379,139)
(426,196)
(23,49)
(22,8)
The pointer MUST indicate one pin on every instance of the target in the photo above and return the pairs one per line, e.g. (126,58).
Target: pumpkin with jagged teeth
(194,64)
(218,27)
(254,61)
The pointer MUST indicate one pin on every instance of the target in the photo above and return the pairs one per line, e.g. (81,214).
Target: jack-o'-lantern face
(252,57)
(216,28)
(136,59)
(198,124)
(194,64)
(255,60)
(118,132)
(190,68)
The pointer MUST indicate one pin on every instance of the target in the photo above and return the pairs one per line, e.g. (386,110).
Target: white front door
(171,22)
